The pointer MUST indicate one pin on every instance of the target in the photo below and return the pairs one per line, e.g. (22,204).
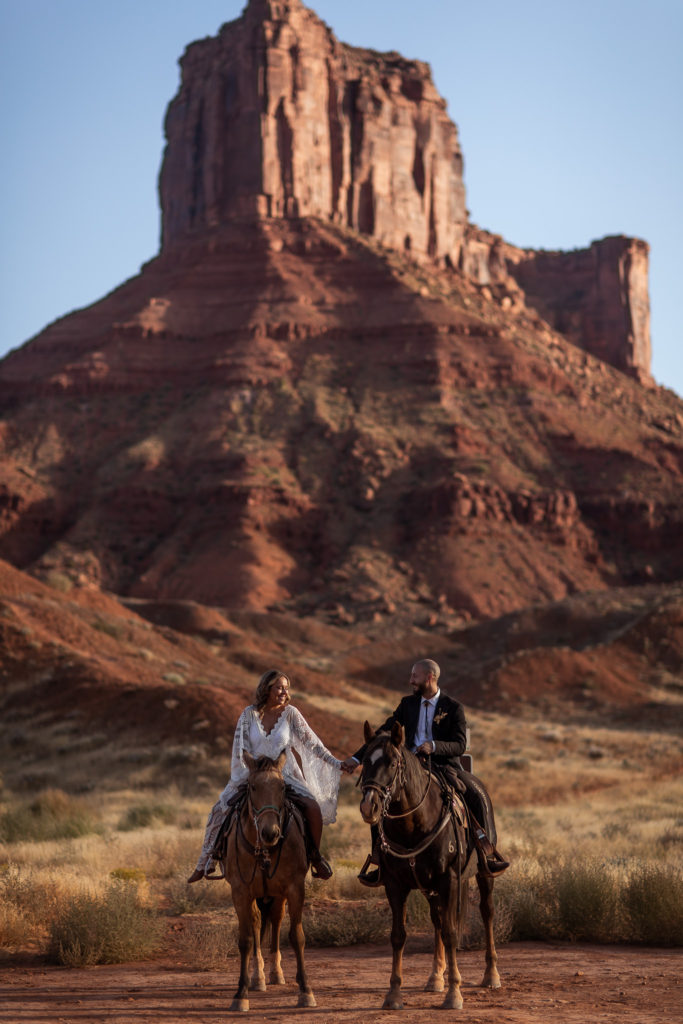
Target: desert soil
(541,982)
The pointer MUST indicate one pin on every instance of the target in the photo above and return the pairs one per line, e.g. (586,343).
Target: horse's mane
(265,764)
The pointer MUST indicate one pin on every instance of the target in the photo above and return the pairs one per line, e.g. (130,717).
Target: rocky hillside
(331,401)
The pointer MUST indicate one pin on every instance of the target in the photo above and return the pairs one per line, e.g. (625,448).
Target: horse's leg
(397,901)
(277,912)
(449,931)
(295,899)
(248,918)
(491,977)
(435,979)
(261,920)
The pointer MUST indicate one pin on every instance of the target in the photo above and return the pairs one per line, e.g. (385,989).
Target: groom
(435,727)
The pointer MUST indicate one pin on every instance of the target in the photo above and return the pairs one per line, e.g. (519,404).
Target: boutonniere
(439,717)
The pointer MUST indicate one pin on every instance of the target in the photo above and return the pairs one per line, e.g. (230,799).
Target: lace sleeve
(308,740)
(240,743)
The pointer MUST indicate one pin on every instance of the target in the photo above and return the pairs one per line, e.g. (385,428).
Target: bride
(264,729)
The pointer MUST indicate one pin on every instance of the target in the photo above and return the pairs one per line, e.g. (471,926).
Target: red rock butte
(276,118)
(330,394)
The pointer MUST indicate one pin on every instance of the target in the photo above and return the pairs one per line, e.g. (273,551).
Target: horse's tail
(265,905)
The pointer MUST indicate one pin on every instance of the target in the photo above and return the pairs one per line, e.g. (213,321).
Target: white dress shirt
(423,733)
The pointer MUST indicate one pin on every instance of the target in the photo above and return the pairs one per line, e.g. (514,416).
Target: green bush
(653,899)
(53,814)
(144,815)
(109,928)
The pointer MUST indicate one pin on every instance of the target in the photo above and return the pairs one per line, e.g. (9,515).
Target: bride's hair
(267,680)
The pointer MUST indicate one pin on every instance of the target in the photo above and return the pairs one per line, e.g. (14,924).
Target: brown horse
(424,845)
(266,864)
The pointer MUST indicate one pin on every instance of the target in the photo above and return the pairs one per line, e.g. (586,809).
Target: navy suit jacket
(449,728)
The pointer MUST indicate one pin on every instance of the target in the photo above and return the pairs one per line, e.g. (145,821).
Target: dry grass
(108,927)
(597,858)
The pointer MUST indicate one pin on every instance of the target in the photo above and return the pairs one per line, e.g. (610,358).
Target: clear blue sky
(570,118)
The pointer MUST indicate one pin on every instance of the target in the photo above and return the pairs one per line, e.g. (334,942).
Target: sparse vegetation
(104,928)
(598,865)
(144,815)
(52,814)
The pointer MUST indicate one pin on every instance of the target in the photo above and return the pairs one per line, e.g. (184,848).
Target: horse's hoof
(306,999)
(258,984)
(453,1001)
(491,980)
(277,978)
(239,1006)
(434,984)
(392,1002)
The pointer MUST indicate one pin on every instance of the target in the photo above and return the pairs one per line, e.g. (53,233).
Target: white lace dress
(310,768)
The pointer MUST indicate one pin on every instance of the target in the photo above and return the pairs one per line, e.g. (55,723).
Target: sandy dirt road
(541,983)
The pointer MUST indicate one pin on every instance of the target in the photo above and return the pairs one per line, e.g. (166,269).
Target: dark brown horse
(423,845)
(266,864)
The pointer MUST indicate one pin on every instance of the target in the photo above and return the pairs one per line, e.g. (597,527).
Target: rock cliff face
(276,117)
(597,297)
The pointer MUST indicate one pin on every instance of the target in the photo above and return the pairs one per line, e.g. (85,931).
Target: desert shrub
(52,814)
(32,897)
(587,901)
(653,899)
(113,629)
(576,900)
(15,928)
(144,815)
(524,895)
(105,928)
(206,944)
(59,581)
(347,923)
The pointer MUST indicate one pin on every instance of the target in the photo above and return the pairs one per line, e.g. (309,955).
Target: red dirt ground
(568,984)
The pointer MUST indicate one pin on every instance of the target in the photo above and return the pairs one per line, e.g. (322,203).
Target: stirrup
(492,865)
(210,871)
(496,865)
(370,878)
(320,868)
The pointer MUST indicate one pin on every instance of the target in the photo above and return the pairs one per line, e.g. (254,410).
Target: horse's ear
(279,762)
(368,732)
(397,734)
(249,761)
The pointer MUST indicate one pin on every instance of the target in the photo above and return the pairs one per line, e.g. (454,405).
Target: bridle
(255,814)
(262,851)
(387,793)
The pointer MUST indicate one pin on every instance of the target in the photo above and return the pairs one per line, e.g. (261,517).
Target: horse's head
(266,796)
(382,772)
